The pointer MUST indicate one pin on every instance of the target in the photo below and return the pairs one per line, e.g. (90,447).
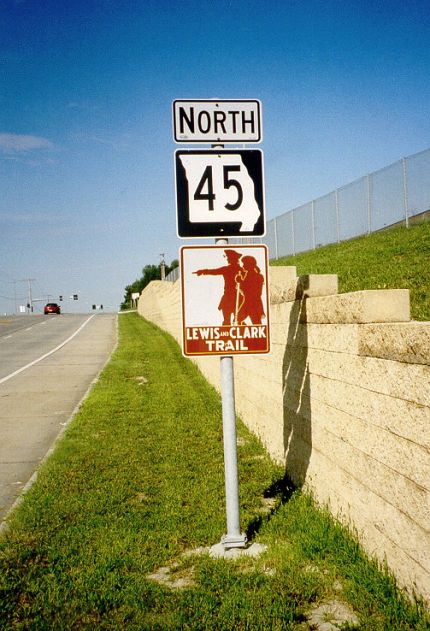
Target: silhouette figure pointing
(228,302)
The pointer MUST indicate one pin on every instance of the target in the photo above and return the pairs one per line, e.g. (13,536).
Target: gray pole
(369,203)
(405,191)
(234,538)
(313,224)
(292,233)
(336,197)
(30,300)
(162,267)
(275,229)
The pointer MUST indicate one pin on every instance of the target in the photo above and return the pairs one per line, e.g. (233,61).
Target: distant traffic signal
(75,296)
(60,297)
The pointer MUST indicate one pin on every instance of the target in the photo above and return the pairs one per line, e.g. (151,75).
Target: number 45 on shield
(221,188)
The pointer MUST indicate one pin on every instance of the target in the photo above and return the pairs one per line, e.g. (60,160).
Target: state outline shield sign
(219,193)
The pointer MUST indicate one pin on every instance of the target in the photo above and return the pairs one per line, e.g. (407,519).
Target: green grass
(398,258)
(136,481)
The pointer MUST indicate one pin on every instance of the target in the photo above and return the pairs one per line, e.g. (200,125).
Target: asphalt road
(47,364)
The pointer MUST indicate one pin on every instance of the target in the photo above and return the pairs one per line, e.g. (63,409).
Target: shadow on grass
(280,492)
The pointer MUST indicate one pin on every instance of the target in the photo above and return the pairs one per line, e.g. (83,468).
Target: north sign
(219,193)
(217,121)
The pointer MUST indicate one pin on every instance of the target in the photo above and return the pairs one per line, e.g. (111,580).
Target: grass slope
(136,481)
(398,258)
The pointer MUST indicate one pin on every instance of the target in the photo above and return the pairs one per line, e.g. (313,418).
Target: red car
(51,307)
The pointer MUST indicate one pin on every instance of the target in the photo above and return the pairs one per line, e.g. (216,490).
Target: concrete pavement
(37,403)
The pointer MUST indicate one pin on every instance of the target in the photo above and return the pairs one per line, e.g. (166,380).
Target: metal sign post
(234,538)
(220,193)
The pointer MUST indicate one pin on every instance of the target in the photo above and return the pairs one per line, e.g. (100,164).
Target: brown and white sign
(225,304)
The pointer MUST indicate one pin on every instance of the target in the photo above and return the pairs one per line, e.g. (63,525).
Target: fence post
(405,192)
(292,233)
(275,229)
(336,197)
(313,223)
(369,203)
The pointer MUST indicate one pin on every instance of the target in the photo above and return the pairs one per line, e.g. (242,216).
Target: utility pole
(30,299)
(163,267)
(14,297)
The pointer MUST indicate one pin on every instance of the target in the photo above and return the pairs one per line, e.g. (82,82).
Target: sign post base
(234,541)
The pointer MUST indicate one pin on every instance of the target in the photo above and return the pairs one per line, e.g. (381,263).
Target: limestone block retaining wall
(343,401)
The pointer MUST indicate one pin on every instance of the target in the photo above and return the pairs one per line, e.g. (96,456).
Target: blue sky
(86,147)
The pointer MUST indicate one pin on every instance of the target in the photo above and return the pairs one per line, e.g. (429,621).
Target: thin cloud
(83,106)
(30,219)
(115,142)
(19,143)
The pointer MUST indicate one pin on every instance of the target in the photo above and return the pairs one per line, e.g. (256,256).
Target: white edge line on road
(54,350)
(4,524)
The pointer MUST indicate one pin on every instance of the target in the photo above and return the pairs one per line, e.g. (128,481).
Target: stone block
(385,532)
(373,305)
(281,275)
(403,342)
(303,287)
(396,379)
(339,338)
(402,418)
(401,455)
(406,495)
(316,285)
(283,293)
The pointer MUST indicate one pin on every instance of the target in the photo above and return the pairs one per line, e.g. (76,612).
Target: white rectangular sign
(217,121)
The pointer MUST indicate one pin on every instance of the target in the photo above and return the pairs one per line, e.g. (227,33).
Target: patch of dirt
(141,380)
(268,505)
(330,616)
(174,579)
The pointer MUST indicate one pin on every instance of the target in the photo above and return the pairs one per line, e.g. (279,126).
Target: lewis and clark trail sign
(225,300)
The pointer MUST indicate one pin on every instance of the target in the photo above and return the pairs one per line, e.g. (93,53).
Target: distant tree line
(149,273)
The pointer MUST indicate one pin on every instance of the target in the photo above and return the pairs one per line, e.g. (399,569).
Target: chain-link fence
(391,195)
(382,198)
